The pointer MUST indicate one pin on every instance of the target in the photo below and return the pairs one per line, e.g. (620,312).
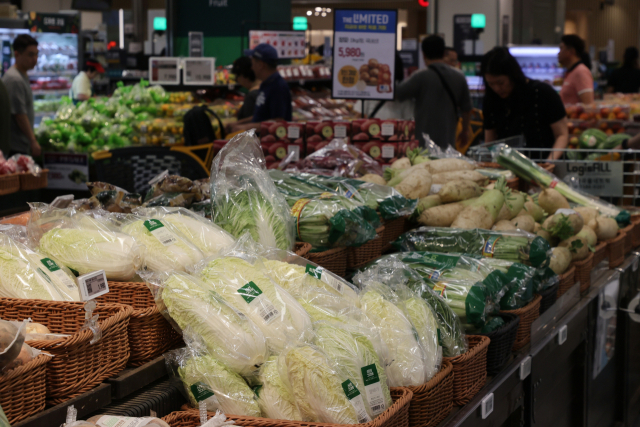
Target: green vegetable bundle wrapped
(274,397)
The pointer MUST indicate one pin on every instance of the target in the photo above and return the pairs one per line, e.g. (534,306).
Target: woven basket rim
(303,249)
(37,174)
(527,308)
(513,323)
(571,270)
(40,359)
(445,369)
(483,342)
(10,175)
(583,262)
(621,235)
(379,421)
(328,252)
(601,244)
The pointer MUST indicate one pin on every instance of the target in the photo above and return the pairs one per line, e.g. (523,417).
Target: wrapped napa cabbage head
(319,392)
(207,379)
(245,199)
(230,337)
(166,248)
(208,237)
(244,287)
(353,356)
(408,366)
(83,243)
(274,395)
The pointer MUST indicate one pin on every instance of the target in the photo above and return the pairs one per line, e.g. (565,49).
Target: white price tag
(525,368)
(388,151)
(319,273)
(292,148)
(340,131)
(487,406)
(259,302)
(199,71)
(160,232)
(562,335)
(373,388)
(93,285)
(388,129)
(293,132)
(164,70)
(114,420)
(354,396)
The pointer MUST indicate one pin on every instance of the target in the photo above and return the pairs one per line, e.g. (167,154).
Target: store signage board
(364,54)
(595,178)
(289,44)
(196,43)
(53,23)
(164,70)
(67,171)
(199,71)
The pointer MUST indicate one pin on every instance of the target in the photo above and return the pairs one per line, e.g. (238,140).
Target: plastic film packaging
(83,243)
(274,396)
(227,335)
(245,199)
(240,280)
(117,420)
(209,238)
(206,379)
(12,337)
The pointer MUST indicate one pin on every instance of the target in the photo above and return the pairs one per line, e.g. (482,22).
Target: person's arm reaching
(561,134)
(82,97)
(409,88)
(631,144)
(25,127)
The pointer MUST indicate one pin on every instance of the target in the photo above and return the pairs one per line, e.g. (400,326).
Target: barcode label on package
(373,388)
(117,421)
(388,152)
(293,132)
(354,396)
(160,232)
(93,285)
(387,129)
(319,273)
(57,271)
(259,302)
(340,131)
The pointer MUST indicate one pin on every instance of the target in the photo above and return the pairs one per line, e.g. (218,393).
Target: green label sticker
(50,264)
(201,391)
(153,224)
(256,390)
(314,271)
(370,374)
(75,272)
(249,292)
(350,390)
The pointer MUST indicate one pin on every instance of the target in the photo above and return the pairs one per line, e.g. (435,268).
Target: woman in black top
(515,105)
(626,79)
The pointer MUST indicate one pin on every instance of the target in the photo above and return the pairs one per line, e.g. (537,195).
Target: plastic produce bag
(201,232)
(240,281)
(230,337)
(12,336)
(274,397)
(82,243)
(112,198)
(244,198)
(205,379)
(117,420)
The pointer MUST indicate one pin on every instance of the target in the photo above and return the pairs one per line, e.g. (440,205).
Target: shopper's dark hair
(22,42)
(89,68)
(574,41)
(630,57)
(499,62)
(433,47)
(242,67)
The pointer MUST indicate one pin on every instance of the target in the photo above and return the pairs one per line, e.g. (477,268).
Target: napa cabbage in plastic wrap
(245,199)
(274,396)
(206,379)
(204,234)
(82,243)
(244,286)
(227,335)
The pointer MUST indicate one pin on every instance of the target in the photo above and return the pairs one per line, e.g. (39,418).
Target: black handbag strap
(447,88)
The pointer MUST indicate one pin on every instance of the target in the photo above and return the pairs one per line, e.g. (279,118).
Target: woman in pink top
(578,82)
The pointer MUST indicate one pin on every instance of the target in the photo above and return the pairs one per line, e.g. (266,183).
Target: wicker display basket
(302,249)
(357,257)
(392,230)
(567,280)
(469,369)
(502,340)
(396,416)
(23,389)
(549,297)
(149,333)
(77,365)
(432,402)
(616,250)
(30,181)
(334,260)
(601,253)
(583,272)
(528,314)
(628,240)
(9,183)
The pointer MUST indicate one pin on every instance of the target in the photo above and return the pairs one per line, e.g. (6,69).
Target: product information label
(440,288)
(594,177)
(364,54)
(199,71)
(373,388)
(259,302)
(340,131)
(293,132)
(57,271)
(201,391)
(160,232)
(116,421)
(295,149)
(93,285)
(388,129)
(388,152)
(354,396)
(490,246)
(320,274)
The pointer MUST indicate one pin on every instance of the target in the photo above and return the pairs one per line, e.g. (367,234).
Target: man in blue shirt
(274,100)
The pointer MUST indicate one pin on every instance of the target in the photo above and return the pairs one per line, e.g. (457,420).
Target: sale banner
(364,54)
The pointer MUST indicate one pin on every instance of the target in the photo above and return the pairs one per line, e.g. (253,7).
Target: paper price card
(364,54)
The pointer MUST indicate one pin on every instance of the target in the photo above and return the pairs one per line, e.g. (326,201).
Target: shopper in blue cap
(274,99)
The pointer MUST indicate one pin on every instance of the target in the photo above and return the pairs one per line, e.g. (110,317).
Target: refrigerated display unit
(539,63)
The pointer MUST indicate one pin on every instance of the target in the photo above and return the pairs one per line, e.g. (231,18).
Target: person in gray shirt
(23,140)
(441,96)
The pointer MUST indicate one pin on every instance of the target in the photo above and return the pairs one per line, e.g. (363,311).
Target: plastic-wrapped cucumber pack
(245,199)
